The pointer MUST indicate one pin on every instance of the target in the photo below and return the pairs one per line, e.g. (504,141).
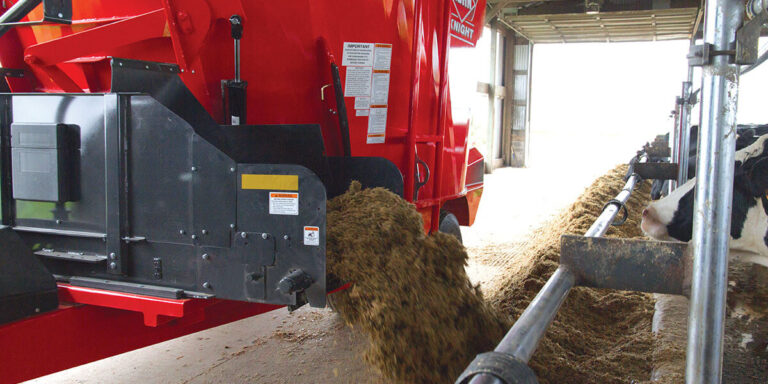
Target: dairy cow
(746,134)
(672,216)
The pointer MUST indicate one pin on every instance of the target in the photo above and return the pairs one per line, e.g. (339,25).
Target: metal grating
(626,26)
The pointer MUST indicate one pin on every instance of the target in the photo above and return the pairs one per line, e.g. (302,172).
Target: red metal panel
(467,21)
(287,49)
(285,63)
(76,334)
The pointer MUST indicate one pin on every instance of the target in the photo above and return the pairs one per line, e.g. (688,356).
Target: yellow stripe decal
(278,182)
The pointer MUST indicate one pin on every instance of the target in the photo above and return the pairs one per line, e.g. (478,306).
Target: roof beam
(499,6)
(565,6)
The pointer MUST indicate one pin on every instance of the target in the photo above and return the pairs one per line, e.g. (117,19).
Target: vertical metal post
(684,131)
(714,191)
(490,138)
(672,184)
(116,180)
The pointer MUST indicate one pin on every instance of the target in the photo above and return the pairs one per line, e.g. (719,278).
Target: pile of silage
(598,336)
(425,320)
(411,294)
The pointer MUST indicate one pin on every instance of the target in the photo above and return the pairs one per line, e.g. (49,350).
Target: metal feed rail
(521,341)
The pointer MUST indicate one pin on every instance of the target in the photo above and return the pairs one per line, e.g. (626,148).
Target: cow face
(671,217)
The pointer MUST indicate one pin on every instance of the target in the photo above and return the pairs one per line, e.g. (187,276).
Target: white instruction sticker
(311,235)
(377,126)
(382,57)
(284,203)
(367,80)
(358,81)
(358,54)
(380,88)
(362,102)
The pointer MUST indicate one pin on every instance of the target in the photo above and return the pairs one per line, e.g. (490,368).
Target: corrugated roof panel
(650,25)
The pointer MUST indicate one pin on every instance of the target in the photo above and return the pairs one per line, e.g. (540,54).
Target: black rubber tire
(449,224)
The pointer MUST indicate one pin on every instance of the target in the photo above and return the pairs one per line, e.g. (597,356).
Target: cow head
(672,216)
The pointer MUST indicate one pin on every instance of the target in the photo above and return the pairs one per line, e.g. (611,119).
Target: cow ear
(758,177)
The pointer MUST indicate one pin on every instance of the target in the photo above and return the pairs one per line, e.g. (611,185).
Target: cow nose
(645,212)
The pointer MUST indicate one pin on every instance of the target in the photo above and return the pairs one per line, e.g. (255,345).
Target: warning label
(311,235)
(283,203)
(380,88)
(358,81)
(362,102)
(358,54)
(382,57)
(367,80)
(377,125)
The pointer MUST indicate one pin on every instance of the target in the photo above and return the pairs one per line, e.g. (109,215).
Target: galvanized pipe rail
(714,192)
(523,338)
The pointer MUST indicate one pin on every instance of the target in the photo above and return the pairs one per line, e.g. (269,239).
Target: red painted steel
(286,56)
(108,324)
(287,49)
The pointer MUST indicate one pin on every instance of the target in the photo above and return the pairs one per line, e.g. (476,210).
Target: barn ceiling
(580,21)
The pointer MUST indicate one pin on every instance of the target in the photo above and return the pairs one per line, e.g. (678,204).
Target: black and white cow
(746,134)
(672,216)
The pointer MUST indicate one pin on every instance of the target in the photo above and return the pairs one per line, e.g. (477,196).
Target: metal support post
(714,191)
(684,131)
(672,184)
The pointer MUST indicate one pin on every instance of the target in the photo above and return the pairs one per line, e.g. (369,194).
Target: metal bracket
(747,39)
(657,171)
(701,55)
(627,264)
(54,12)
(145,65)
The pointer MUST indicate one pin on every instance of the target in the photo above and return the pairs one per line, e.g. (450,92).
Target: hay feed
(411,294)
(598,336)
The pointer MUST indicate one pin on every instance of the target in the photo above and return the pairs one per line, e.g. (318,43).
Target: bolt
(207,285)
(112,256)
(206,256)
(113,265)
(193,71)
(37,310)
(264,236)
(232,169)
(194,169)
(286,237)
(181,232)
(120,64)
(232,226)
(61,14)
(204,231)
(146,67)
(58,221)
(194,237)
(253,277)
(243,235)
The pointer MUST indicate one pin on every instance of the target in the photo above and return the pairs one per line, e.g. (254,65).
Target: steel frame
(714,193)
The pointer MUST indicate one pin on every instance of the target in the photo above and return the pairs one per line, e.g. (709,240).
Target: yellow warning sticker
(279,182)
